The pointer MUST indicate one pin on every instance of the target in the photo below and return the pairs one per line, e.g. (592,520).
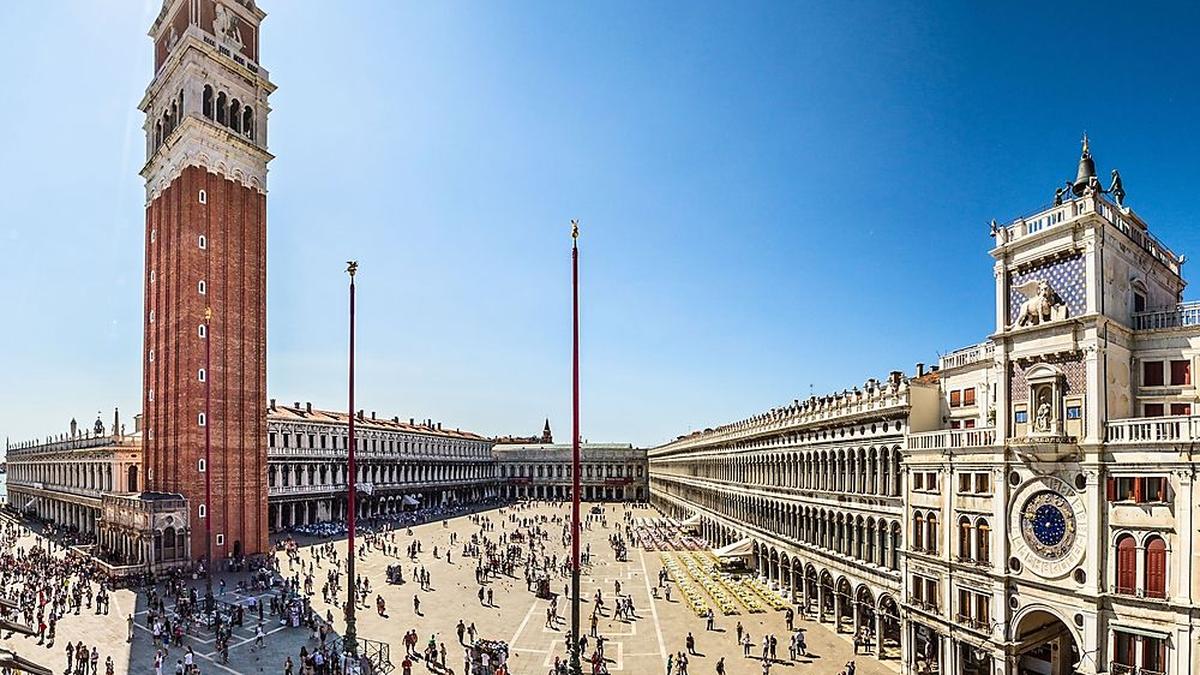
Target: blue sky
(773,196)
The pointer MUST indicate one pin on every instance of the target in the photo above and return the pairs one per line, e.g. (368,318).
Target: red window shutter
(1137,489)
(1112,489)
(1126,565)
(1156,568)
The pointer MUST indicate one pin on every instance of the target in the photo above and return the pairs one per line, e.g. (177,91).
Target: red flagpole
(576,665)
(208,515)
(350,643)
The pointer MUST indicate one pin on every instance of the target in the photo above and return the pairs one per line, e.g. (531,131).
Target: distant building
(611,471)
(402,465)
(63,478)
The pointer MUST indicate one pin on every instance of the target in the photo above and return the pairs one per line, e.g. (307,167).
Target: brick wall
(233,265)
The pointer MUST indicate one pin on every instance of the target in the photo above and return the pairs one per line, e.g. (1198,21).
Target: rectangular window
(1181,409)
(983,614)
(969,424)
(1139,302)
(272,443)
(955,398)
(1152,373)
(918,481)
(931,594)
(1181,373)
(983,483)
(964,483)
(1152,410)
(968,396)
(955,424)
(220,540)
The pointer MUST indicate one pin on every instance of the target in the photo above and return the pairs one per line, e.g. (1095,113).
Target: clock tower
(204,360)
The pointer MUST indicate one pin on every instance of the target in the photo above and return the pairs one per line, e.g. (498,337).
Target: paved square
(638,645)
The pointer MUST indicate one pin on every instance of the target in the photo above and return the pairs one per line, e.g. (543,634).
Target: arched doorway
(131,481)
(844,607)
(1044,644)
(889,627)
(864,617)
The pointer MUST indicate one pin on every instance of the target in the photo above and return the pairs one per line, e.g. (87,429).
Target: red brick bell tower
(206,251)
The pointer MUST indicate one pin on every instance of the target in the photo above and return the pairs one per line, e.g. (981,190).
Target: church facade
(1029,505)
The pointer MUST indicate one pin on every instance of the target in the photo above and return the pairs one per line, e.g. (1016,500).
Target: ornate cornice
(197,143)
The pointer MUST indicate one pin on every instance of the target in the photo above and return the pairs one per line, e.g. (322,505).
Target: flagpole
(350,643)
(576,666)
(208,514)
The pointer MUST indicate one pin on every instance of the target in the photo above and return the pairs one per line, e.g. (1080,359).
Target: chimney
(894,377)
(137,423)
(360,414)
(308,406)
(372,414)
(920,369)
(412,422)
(296,405)
(439,426)
(272,404)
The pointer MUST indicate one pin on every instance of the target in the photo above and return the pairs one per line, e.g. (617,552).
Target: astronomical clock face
(1048,526)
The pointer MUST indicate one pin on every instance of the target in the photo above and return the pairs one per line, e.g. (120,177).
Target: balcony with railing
(1183,315)
(1142,430)
(984,351)
(1121,218)
(953,439)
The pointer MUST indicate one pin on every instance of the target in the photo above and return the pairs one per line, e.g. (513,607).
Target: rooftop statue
(1117,190)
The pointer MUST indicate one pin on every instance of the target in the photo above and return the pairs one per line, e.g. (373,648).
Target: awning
(738,549)
(409,500)
(9,659)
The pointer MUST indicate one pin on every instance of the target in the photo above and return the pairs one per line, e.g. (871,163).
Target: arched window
(235,115)
(918,533)
(202,331)
(964,538)
(931,537)
(1156,567)
(207,102)
(248,122)
(222,113)
(983,544)
(200,375)
(1126,565)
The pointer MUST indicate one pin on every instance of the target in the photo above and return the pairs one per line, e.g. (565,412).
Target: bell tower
(204,360)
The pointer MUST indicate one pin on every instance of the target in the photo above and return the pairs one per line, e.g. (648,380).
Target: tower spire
(1086,172)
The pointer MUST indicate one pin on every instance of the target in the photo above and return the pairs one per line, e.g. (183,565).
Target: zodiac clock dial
(1048,525)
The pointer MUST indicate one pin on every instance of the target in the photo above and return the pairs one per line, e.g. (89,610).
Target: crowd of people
(42,581)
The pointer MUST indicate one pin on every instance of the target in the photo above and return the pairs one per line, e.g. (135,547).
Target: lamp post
(350,642)
(208,516)
(576,666)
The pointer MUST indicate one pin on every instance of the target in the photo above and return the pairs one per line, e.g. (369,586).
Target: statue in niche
(1041,304)
(225,26)
(1041,422)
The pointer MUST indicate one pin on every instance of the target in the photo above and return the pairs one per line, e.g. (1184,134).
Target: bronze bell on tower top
(1086,172)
